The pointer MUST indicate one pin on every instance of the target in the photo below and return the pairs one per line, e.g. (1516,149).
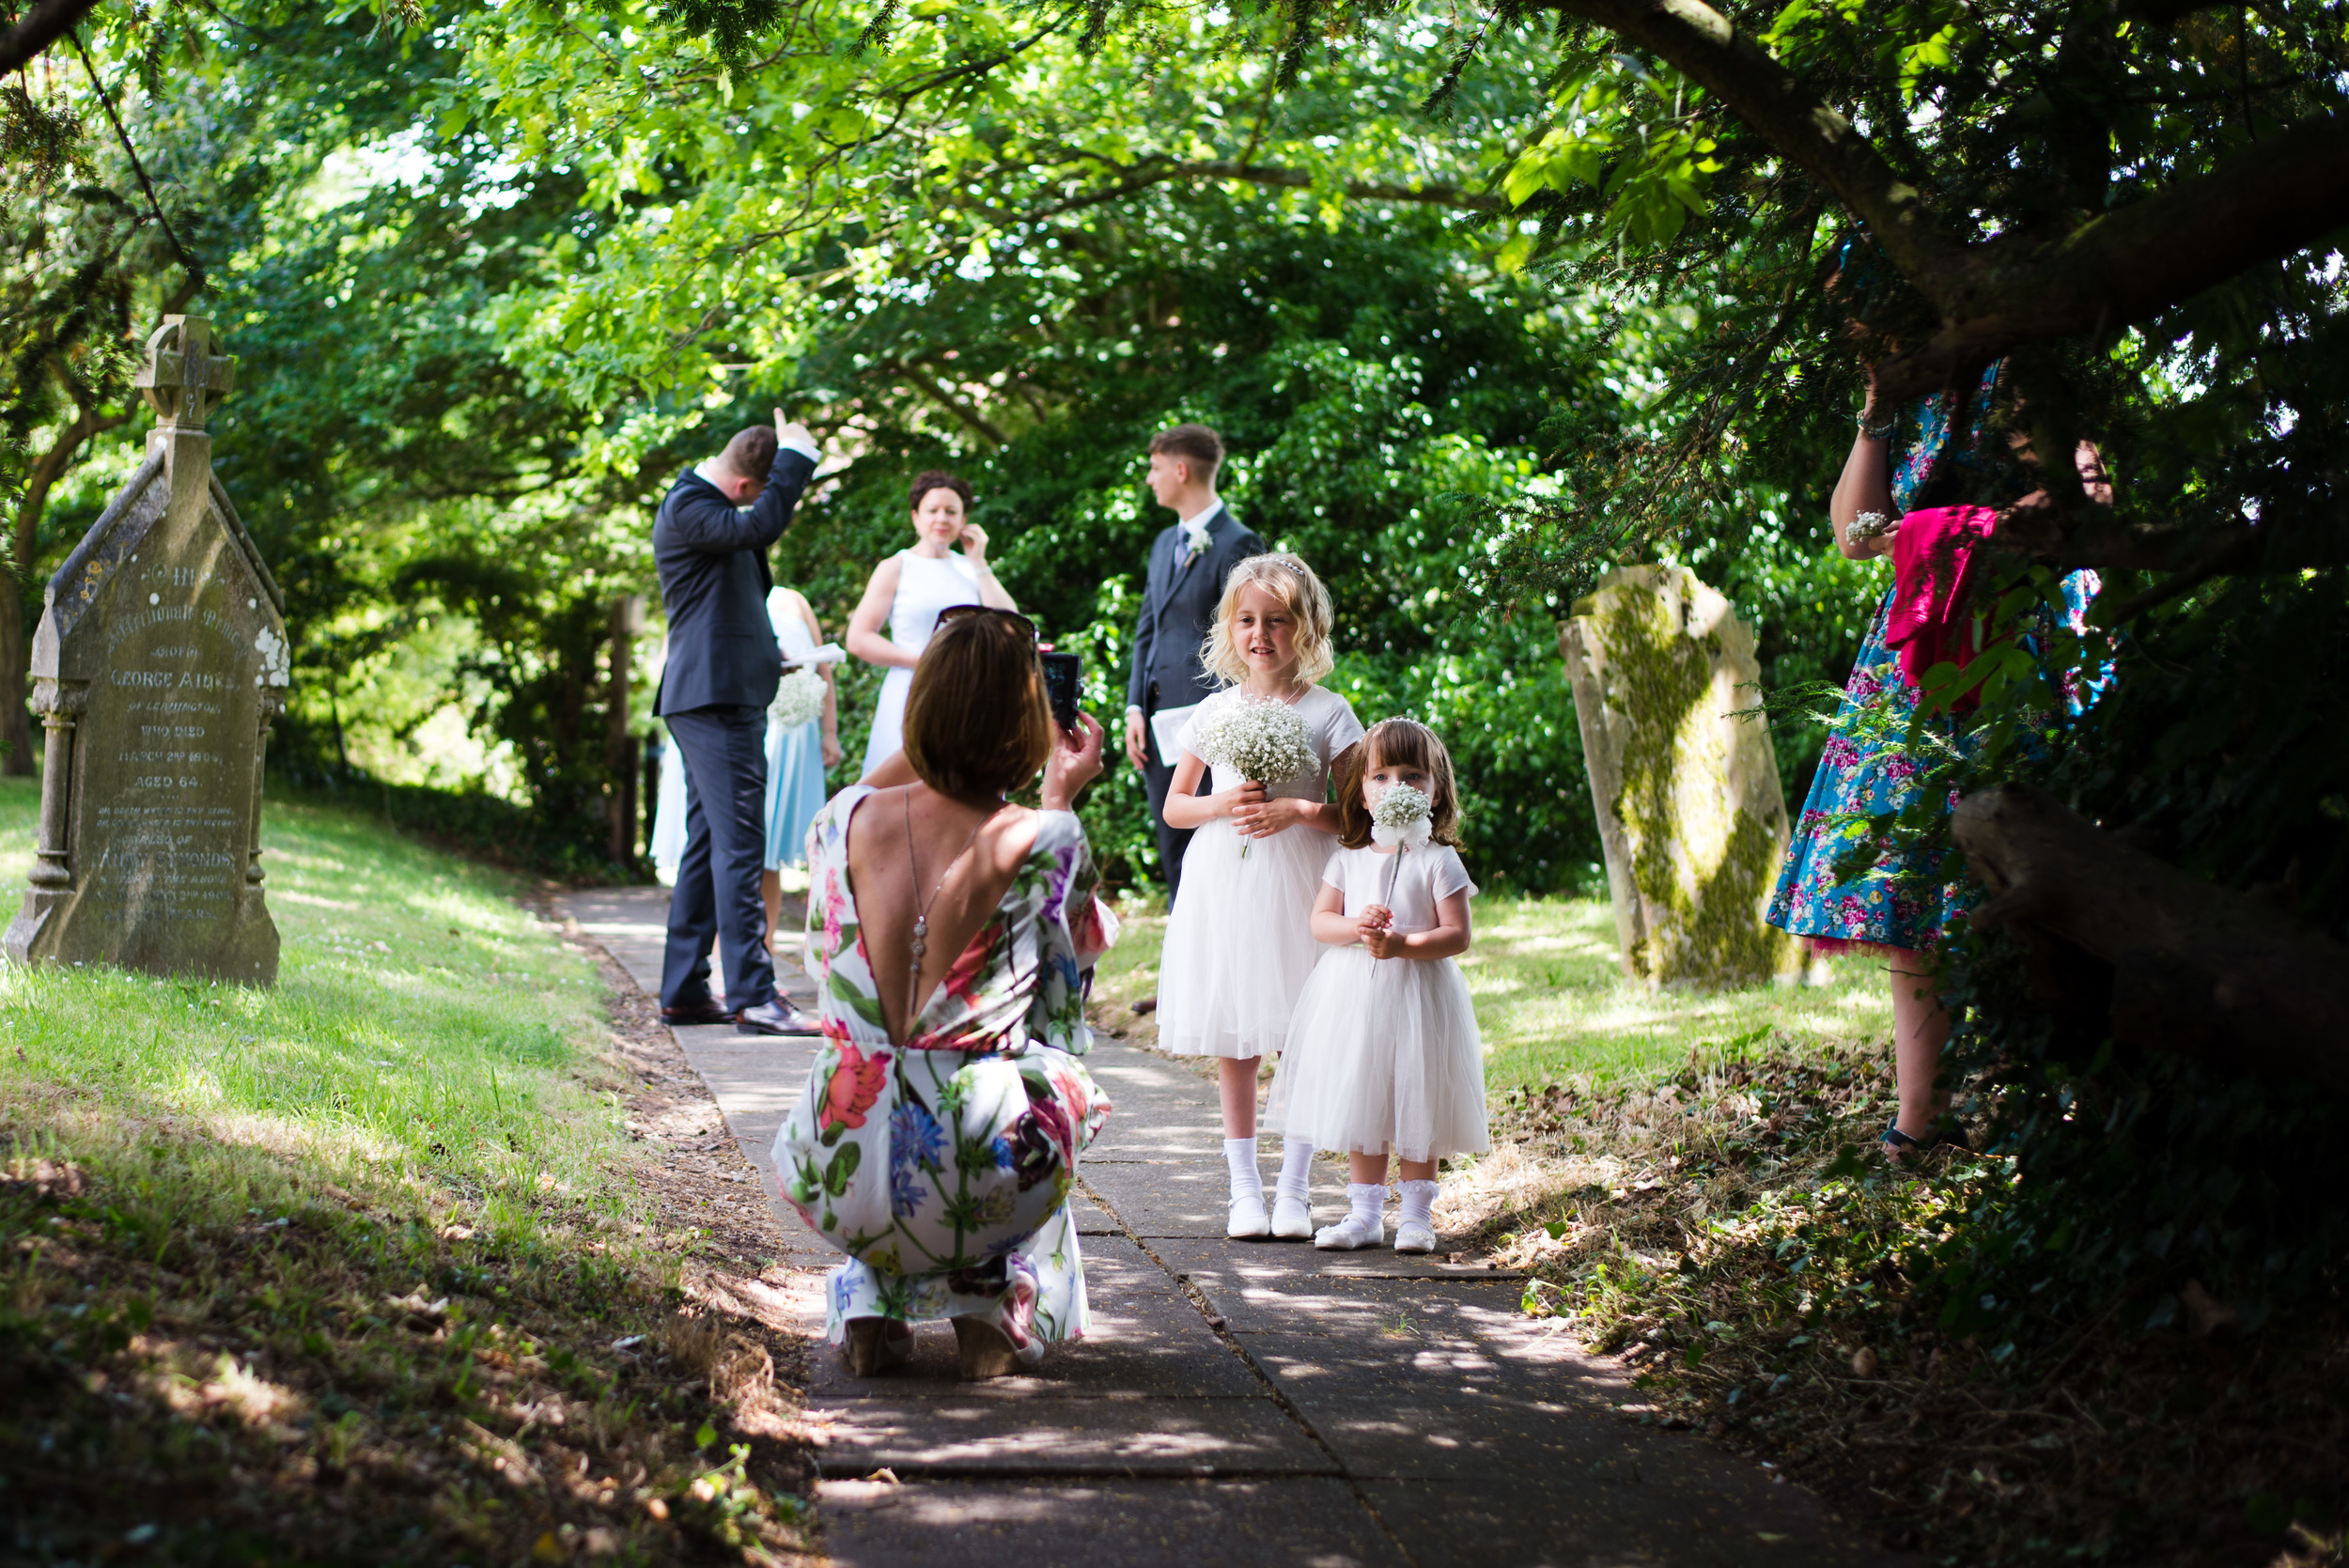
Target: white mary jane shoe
(1412,1236)
(1292,1219)
(1247,1219)
(1349,1236)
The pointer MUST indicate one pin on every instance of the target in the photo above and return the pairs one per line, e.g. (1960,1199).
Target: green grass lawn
(353,1268)
(1554,1005)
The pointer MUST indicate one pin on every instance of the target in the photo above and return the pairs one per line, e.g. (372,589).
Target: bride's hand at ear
(1076,760)
(975,542)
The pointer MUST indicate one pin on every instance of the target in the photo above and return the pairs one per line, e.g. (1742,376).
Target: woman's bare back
(886,897)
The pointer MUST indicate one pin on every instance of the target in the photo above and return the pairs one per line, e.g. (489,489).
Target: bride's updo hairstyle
(1286,578)
(938,480)
(977,725)
(1399,743)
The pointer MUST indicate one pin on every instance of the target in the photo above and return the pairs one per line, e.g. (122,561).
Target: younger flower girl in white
(1383,1053)
(1238,948)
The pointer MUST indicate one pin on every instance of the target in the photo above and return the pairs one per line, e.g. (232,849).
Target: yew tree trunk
(16,724)
(2196,967)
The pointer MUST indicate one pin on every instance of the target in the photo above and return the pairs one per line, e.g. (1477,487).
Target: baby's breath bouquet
(1402,817)
(800,698)
(1260,738)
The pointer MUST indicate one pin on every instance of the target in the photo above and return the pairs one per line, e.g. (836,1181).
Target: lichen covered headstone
(159,664)
(1691,818)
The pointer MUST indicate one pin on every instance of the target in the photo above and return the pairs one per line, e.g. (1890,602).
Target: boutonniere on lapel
(1195,539)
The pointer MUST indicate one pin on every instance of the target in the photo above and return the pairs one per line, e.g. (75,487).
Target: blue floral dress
(1905,897)
(942,1168)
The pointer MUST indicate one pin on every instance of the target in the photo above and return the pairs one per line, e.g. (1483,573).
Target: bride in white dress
(909,589)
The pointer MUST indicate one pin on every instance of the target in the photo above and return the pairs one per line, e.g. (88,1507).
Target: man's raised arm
(714,526)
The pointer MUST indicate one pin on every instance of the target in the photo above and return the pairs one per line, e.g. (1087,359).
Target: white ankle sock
(1240,1155)
(1419,1201)
(1297,1168)
(1364,1201)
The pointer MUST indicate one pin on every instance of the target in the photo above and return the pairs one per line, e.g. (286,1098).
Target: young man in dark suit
(1189,562)
(710,540)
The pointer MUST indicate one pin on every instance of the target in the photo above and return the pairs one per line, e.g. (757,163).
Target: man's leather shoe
(702,1012)
(775,1018)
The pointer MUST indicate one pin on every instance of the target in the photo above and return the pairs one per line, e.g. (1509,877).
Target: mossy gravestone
(1690,814)
(158,666)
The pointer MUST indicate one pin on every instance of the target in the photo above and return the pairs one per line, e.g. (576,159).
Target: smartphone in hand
(1061,671)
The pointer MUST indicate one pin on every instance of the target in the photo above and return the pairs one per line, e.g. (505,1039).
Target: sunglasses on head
(960,611)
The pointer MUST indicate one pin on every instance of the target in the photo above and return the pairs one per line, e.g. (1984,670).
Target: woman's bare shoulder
(1011,836)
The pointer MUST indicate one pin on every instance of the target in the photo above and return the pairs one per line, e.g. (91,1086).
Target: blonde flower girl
(1238,948)
(1384,1055)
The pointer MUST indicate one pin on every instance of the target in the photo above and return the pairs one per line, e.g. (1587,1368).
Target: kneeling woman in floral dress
(953,938)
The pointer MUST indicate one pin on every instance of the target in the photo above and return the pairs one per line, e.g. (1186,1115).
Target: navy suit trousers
(717,898)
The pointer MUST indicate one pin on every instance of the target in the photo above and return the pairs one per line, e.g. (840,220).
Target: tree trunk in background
(16,648)
(2196,967)
(16,724)
(620,748)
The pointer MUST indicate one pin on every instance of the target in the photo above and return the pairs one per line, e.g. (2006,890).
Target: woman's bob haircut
(1286,578)
(977,725)
(1399,743)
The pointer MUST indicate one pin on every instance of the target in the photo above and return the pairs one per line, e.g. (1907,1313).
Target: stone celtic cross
(160,661)
(183,382)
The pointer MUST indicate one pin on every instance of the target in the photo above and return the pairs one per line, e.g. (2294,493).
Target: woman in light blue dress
(796,758)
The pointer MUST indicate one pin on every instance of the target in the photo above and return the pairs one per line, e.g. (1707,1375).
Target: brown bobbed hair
(977,725)
(939,479)
(751,453)
(1399,743)
(1196,445)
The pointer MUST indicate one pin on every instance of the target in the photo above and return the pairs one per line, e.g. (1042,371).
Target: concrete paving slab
(1090,1436)
(1146,1338)
(1624,1516)
(1234,1264)
(1298,1523)
(1275,1300)
(1092,1219)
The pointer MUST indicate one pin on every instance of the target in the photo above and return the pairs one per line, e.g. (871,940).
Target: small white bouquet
(800,697)
(1402,815)
(1404,818)
(1259,739)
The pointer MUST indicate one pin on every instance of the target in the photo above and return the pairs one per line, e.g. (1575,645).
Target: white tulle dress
(1384,1055)
(1239,945)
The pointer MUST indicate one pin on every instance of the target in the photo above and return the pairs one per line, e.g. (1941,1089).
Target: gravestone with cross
(158,667)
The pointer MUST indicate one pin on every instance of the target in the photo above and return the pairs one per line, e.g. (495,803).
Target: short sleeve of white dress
(1187,739)
(1338,727)
(1446,876)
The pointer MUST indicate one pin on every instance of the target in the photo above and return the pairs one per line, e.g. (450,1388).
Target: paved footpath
(1241,1403)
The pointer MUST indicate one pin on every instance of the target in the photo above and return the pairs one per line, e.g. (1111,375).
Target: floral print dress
(942,1169)
(1903,898)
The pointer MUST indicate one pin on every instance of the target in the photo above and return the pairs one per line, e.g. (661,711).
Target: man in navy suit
(1189,562)
(710,540)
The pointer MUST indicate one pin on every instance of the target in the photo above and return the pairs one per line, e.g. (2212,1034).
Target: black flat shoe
(775,1018)
(693,1012)
(1898,1144)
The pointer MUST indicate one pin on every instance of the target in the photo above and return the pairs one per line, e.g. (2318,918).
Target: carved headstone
(1690,814)
(158,666)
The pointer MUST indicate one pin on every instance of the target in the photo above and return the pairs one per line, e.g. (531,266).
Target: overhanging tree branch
(1140,178)
(2252,204)
(2256,204)
(42,26)
(1725,60)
